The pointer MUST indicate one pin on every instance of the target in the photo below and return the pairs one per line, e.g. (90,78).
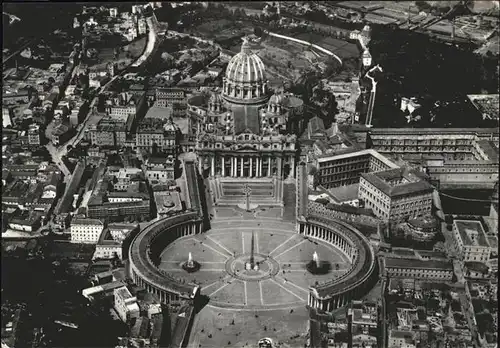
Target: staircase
(265,191)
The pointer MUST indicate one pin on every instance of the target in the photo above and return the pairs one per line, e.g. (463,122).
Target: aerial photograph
(250,174)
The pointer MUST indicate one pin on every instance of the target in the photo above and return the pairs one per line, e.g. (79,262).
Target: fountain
(315,266)
(190,265)
(315,258)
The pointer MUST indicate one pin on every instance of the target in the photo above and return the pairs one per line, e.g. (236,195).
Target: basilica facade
(244,131)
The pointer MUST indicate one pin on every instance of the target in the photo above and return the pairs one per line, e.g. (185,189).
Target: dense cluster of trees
(417,65)
(51,291)
(424,65)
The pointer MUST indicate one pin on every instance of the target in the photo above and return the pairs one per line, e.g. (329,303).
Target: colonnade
(166,294)
(330,304)
(340,297)
(249,166)
(242,91)
(187,230)
(330,236)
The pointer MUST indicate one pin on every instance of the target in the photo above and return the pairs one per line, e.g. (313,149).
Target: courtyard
(282,280)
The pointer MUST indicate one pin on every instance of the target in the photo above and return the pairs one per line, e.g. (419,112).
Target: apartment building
(86,230)
(125,304)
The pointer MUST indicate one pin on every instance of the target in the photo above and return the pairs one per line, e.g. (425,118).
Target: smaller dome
(215,98)
(169,126)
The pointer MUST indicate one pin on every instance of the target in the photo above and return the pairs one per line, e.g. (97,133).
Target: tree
(258,31)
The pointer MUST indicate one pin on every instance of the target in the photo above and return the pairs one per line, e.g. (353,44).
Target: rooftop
(159,112)
(316,125)
(490,149)
(345,193)
(416,263)
(471,232)
(398,182)
(246,118)
(401,334)
(167,201)
(95,222)
(192,187)
(354,152)
(106,239)
(433,131)
(477,266)
(123,293)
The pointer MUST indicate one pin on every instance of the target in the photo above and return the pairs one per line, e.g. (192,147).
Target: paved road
(373,93)
(150,45)
(468,311)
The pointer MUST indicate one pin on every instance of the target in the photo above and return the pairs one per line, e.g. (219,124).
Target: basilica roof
(245,67)
(246,119)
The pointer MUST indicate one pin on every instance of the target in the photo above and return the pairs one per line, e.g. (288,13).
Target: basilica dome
(244,82)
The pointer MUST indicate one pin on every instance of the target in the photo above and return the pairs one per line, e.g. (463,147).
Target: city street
(468,312)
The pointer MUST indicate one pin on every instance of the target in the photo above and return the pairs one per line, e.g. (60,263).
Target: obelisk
(252,260)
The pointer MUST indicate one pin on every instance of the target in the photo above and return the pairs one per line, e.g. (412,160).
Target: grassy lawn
(225,328)
(135,48)
(342,48)
(277,53)
(222,29)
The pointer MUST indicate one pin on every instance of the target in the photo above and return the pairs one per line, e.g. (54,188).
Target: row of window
(347,168)
(422,204)
(422,272)
(351,160)
(86,228)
